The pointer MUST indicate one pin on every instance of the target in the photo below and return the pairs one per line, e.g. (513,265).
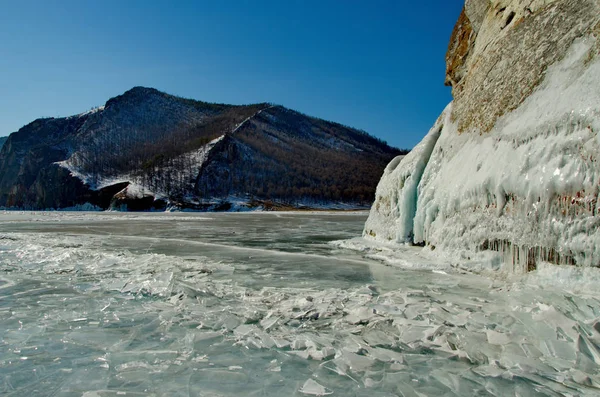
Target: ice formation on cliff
(528,188)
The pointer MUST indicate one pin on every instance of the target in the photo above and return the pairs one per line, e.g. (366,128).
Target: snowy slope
(184,177)
(528,189)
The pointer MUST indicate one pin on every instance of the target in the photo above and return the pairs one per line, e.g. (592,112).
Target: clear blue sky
(376,65)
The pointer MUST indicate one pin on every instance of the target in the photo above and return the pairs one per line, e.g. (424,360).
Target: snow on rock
(529,188)
(136,189)
(91,111)
(500,51)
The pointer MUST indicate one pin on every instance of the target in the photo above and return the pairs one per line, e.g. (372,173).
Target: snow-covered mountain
(147,149)
(513,163)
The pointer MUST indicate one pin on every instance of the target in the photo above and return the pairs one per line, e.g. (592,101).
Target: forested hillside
(170,151)
(284,155)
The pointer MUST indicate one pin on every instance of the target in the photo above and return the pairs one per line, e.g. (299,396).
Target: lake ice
(271,304)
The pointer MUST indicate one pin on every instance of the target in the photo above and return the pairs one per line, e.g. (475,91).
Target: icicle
(521,259)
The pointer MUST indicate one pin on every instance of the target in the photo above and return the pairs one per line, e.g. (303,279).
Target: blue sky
(376,65)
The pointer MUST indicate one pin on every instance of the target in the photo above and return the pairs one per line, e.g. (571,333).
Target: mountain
(509,176)
(2,140)
(147,149)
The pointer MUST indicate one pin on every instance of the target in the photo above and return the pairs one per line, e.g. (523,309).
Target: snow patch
(91,111)
(240,125)
(194,159)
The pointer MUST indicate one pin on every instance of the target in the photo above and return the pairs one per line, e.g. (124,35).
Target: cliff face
(147,149)
(514,165)
(501,49)
(29,151)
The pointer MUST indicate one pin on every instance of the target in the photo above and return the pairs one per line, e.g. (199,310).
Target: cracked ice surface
(260,304)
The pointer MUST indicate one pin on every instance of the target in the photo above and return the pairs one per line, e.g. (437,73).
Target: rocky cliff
(512,165)
(2,140)
(147,149)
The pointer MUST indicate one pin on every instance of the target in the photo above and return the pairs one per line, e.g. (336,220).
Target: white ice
(99,302)
(529,188)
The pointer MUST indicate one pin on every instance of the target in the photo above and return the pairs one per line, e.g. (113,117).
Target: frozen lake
(261,304)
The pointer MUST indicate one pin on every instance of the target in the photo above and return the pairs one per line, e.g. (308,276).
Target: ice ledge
(392,214)
(528,189)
